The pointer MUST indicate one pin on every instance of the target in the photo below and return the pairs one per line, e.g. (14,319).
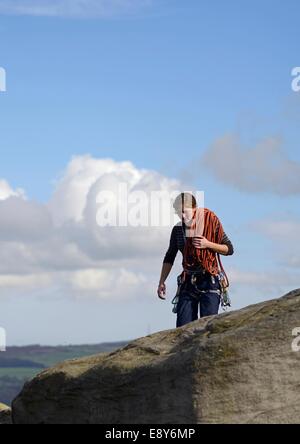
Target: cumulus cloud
(73,8)
(21,282)
(23,220)
(116,284)
(262,168)
(59,248)
(74,208)
(6,191)
(61,244)
(75,182)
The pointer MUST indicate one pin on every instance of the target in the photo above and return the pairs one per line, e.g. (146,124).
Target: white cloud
(108,284)
(60,242)
(72,8)
(23,220)
(57,247)
(21,282)
(74,208)
(72,188)
(263,168)
(6,191)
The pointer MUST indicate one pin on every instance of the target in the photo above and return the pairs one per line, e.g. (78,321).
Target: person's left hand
(201,242)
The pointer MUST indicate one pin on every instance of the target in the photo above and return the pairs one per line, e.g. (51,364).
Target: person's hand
(161,291)
(201,242)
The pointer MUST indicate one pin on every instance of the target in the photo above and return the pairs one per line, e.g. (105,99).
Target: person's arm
(167,266)
(165,271)
(226,241)
(225,247)
(219,248)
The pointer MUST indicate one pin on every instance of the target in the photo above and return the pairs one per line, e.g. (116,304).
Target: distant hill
(19,364)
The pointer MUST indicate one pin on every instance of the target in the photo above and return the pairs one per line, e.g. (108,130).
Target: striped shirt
(177,242)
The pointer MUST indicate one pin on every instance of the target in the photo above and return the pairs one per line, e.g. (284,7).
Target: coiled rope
(205,223)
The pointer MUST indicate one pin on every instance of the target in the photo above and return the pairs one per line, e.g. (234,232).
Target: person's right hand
(161,291)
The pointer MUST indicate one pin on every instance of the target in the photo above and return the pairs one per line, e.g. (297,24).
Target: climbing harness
(210,262)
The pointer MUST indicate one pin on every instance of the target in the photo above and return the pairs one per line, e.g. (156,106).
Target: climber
(201,239)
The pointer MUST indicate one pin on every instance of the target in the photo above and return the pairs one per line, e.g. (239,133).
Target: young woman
(201,285)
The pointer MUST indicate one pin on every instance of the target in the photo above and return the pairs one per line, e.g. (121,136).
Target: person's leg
(209,304)
(187,309)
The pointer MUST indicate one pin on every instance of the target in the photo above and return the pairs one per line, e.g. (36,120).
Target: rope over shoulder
(207,224)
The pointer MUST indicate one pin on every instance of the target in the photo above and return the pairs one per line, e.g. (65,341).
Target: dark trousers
(192,300)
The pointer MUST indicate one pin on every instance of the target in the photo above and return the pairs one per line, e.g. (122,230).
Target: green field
(20,364)
(19,373)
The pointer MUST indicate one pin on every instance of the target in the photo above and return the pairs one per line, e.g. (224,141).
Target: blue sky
(157,86)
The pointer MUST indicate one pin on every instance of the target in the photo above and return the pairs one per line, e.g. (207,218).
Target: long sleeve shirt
(177,242)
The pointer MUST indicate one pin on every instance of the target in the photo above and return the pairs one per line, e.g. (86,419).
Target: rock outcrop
(238,367)
(5,414)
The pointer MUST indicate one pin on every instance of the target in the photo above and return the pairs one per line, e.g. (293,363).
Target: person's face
(186,214)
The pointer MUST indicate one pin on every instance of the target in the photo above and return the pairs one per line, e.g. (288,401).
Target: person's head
(185,206)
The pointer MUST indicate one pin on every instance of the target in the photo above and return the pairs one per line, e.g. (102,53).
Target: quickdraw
(175,300)
(223,279)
